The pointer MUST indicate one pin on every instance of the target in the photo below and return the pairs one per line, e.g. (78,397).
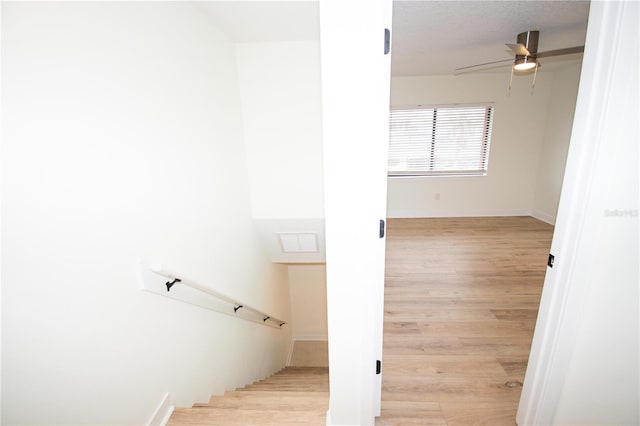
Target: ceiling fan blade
(519,49)
(483,64)
(558,52)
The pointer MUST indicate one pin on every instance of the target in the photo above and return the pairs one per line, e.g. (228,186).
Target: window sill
(437,175)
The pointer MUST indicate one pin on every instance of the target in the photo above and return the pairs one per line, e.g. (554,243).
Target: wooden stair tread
(222,416)
(268,402)
(276,385)
(251,395)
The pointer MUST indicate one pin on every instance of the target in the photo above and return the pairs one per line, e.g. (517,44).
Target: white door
(587,330)
(355,105)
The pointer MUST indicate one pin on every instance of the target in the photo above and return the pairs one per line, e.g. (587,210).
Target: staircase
(293,396)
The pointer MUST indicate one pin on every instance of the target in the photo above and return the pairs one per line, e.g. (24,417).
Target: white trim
(163,413)
(545,217)
(458,213)
(290,355)
(311,338)
(573,242)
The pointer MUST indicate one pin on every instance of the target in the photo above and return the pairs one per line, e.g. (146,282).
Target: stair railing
(180,287)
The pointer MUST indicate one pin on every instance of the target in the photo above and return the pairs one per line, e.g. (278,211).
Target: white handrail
(235,308)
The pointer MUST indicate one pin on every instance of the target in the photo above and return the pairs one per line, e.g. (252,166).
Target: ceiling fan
(526,55)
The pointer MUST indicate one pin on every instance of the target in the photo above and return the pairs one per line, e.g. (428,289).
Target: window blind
(432,141)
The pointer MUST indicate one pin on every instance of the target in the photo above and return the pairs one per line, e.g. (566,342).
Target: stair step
(232,417)
(265,401)
(291,388)
(276,393)
(309,370)
(291,381)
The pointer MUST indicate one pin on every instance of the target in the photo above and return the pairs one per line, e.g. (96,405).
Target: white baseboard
(313,338)
(457,213)
(545,217)
(162,414)
(551,220)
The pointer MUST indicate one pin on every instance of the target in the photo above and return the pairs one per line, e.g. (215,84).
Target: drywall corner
(545,217)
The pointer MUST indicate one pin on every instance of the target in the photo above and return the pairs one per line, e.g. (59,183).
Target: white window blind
(435,141)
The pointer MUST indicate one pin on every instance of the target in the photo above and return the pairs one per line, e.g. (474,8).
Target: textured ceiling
(429,37)
(436,37)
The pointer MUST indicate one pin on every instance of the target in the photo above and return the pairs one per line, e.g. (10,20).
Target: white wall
(518,135)
(281,113)
(122,140)
(555,144)
(280,91)
(308,291)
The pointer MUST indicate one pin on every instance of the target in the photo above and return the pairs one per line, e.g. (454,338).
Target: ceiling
(429,37)
(436,37)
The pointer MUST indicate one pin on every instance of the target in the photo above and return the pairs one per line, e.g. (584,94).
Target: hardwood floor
(461,300)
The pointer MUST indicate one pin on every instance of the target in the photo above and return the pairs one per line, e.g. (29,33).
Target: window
(437,141)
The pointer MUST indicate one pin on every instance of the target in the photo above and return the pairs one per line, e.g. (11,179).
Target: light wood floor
(461,299)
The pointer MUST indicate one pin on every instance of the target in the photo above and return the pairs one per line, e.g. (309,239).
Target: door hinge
(551,260)
(378,366)
(381,228)
(387,41)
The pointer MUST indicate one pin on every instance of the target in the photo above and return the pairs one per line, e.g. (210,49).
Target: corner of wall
(545,217)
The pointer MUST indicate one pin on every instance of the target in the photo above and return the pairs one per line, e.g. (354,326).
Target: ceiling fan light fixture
(525,63)
(528,40)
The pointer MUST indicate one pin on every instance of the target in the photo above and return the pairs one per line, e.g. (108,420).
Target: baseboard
(313,338)
(545,217)
(162,414)
(457,213)
(551,220)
